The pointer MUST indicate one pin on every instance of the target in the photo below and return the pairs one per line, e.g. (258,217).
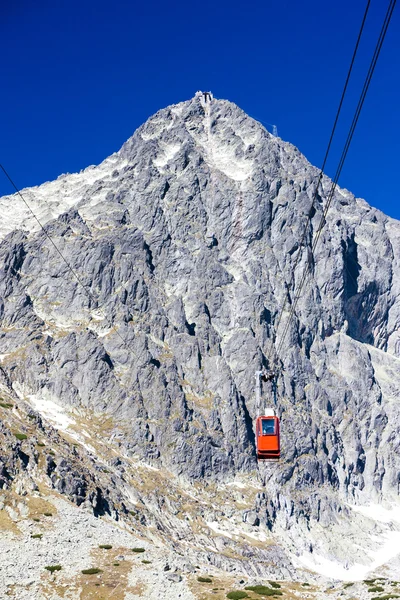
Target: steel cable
(312,207)
(332,190)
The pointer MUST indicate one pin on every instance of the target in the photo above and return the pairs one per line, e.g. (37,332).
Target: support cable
(321,173)
(332,190)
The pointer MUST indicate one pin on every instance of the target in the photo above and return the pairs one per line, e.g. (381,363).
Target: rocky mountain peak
(184,243)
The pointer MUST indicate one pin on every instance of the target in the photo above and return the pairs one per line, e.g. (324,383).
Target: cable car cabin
(267,436)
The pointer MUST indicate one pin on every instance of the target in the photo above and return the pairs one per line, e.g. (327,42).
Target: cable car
(267,436)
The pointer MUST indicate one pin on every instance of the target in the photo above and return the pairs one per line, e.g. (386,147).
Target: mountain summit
(184,243)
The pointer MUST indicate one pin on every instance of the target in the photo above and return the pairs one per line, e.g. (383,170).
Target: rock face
(182,247)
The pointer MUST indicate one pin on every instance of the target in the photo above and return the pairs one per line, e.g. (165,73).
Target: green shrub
(263,590)
(6,405)
(138,550)
(48,514)
(53,568)
(369,581)
(305,584)
(347,585)
(376,588)
(37,536)
(105,546)
(40,444)
(204,579)
(115,564)
(236,595)
(20,436)
(386,597)
(92,571)
(36,520)
(146,562)
(274,584)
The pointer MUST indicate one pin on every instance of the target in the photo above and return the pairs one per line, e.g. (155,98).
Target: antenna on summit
(205,97)
(274,130)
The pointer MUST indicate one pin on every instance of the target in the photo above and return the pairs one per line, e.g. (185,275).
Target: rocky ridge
(185,242)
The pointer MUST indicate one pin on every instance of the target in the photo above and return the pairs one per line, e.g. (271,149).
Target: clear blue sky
(79,76)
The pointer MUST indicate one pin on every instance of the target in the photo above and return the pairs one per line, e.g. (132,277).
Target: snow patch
(334,570)
(97,315)
(223,158)
(238,484)
(260,536)
(213,525)
(51,411)
(149,467)
(379,513)
(381,549)
(168,151)
(51,199)
(55,414)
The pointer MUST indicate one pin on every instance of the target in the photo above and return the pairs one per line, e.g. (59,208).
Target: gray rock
(185,242)
(251,517)
(174,577)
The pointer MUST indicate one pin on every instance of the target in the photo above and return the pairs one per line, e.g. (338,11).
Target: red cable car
(267,436)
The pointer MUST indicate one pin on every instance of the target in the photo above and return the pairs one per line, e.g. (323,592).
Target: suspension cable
(321,172)
(332,190)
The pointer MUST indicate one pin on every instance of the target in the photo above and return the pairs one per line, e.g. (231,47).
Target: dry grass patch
(52,585)
(138,589)
(221,586)
(39,506)
(112,582)
(7,524)
(205,401)
(216,590)
(150,481)
(97,428)
(247,539)
(294,591)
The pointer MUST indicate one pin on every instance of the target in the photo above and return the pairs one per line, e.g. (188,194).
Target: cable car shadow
(249,425)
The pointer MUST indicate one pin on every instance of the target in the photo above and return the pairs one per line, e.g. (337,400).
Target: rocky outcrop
(33,453)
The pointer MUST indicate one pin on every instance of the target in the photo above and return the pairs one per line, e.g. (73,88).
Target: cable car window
(268,426)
